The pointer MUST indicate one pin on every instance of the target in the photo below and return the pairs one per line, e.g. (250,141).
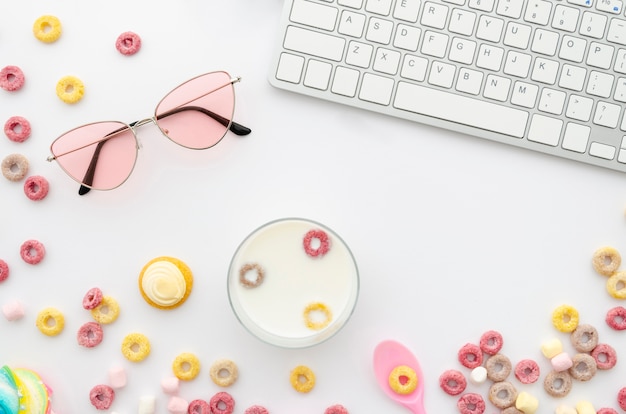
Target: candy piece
(498,367)
(13,310)
(333,409)
(616,318)
(177,405)
(583,367)
(47,28)
(36,187)
(621,398)
(4,270)
(316,236)
(186,366)
(478,375)
(526,403)
(561,362)
(224,372)
(70,89)
(128,43)
(107,311)
(551,348)
(471,403)
(136,347)
(102,396)
(452,382)
(89,334)
(403,379)
(491,342)
(11,78)
(165,282)
(251,268)
(502,394)
(147,404)
(117,377)
(32,251)
(585,407)
(584,338)
(470,356)
(605,356)
(558,384)
(92,298)
(527,371)
(170,385)
(222,403)
(565,409)
(14,167)
(313,310)
(9,396)
(565,318)
(606,260)
(35,394)
(50,321)
(616,285)
(17,129)
(199,407)
(302,378)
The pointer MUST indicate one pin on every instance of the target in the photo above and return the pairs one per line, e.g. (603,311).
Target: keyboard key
(551,101)
(490,57)
(469,81)
(462,22)
(611,6)
(382,7)
(351,24)
(434,15)
(620,90)
(314,14)
(576,137)
(483,5)
(572,77)
(517,64)
(489,28)
(545,130)
(462,50)
(356,4)
(414,67)
(579,108)
(602,151)
(317,74)
(407,37)
(620,61)
(387,61)
(517,35)
(407,10)
(461,109)
(600,55)
(376,89)
(565,18)
(600,84)
(538,11)
(434,44)
(510,8)
(545,42)
(314,43)
(497,88)
(379,31)
(617,32)
(290,68)
(593,25)
(359,54)
(573,49)
(545,71)
(607,114)
(345,81)
(441,74)
(524,94)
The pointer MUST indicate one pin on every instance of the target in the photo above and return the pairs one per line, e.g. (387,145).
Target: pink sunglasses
(196,115)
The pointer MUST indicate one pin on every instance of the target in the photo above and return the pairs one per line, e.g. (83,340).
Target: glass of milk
(286,296)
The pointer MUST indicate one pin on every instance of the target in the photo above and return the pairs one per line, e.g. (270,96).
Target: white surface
(452,235)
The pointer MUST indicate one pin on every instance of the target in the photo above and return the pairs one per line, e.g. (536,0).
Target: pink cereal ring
(605,356)
(92,298)
(199,407)
(616,318)
(471,404)
(621,398)
(36,187)
(89,335)
(11,78)
(4,270)
(527,371)
(491,342)
(257,409)
(102,397)
(470,356)
(222,403)
(321,237)
(606,411)
(32,251)
(17,129)
(333,409)
(452,382)
(128,43)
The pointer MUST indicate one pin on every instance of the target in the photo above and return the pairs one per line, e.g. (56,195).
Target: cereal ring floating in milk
(314,309)
(11,78)
(47,28)
(17,129)
(165,282)
(70,89)
(302,378)
(565,318)
(606,260)
(50,321)
(403,380)
(313,236)
(251,268)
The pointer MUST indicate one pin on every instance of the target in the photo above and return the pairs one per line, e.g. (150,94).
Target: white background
(452,235)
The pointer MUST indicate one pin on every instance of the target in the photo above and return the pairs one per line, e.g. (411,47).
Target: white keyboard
(544,75)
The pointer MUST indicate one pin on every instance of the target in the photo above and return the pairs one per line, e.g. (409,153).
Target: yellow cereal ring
(221,367)
(70,89)
(302,378)
(135,347)
(317,307)
(565,318)
(50,321)
(186,366)
(606,260)
(403,379)
(616,285)
(107,311)
(47,28)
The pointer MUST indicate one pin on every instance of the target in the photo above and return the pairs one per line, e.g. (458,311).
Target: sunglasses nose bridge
(135,125)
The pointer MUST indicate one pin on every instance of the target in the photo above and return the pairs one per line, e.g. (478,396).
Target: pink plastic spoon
(389,355)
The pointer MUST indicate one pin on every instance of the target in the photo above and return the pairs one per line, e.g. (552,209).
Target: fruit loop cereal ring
(616,318)
(621,398)
(50,321)
(302,378)
(70,89)
(606,260)
(32,251)
(17,129)
(565,318)
(584,338)
(452,382)
(186,366)
(319,236)
(107,311)
(92,298)
(135,347)
(222,403)
(616,285)
(11,78)
(498,367)
(314,309)
(558,384)
(403,380)
(199,407)
(584,367)
(36,187)
(527,371)
(491,342)
(606,411)
(14,167)
(257,409)
(502,394)
(224,372)
(471,404)
(511,410)
(102,397)
(333,409)
(128,43)
(470,356)
(47,29)
(89,334)
(246,270)
(605,356)
(4,270)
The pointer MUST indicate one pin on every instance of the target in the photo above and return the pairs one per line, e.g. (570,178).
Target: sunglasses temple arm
(235,128)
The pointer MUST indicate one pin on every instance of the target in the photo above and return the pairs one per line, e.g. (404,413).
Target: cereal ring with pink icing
(32,251)
(4,270)
(320,237)
(89,334)
(605,356)
(222,403)
(199,407)
(452,382)
(333,409)
(527,371)
(606,411)
(102,396)
(621,398)
(11,78)
(470,356)
(128,43)
(616,318)
(17,129)
(256,409)
(491,342)
(92,299)
(36,187)
(471,403)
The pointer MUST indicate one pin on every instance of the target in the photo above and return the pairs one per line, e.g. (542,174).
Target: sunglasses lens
(100,155)
(198,113)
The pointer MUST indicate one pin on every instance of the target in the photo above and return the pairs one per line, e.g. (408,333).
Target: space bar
(461,109)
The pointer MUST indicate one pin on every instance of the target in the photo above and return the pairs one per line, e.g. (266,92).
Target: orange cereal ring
(606,260)
(565,318)
(186,366)
(403,379)
(616,285)
(135,347)
(107,311)
(47,28)
(70,89)
(302,378)
(50,321)
(314,308)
